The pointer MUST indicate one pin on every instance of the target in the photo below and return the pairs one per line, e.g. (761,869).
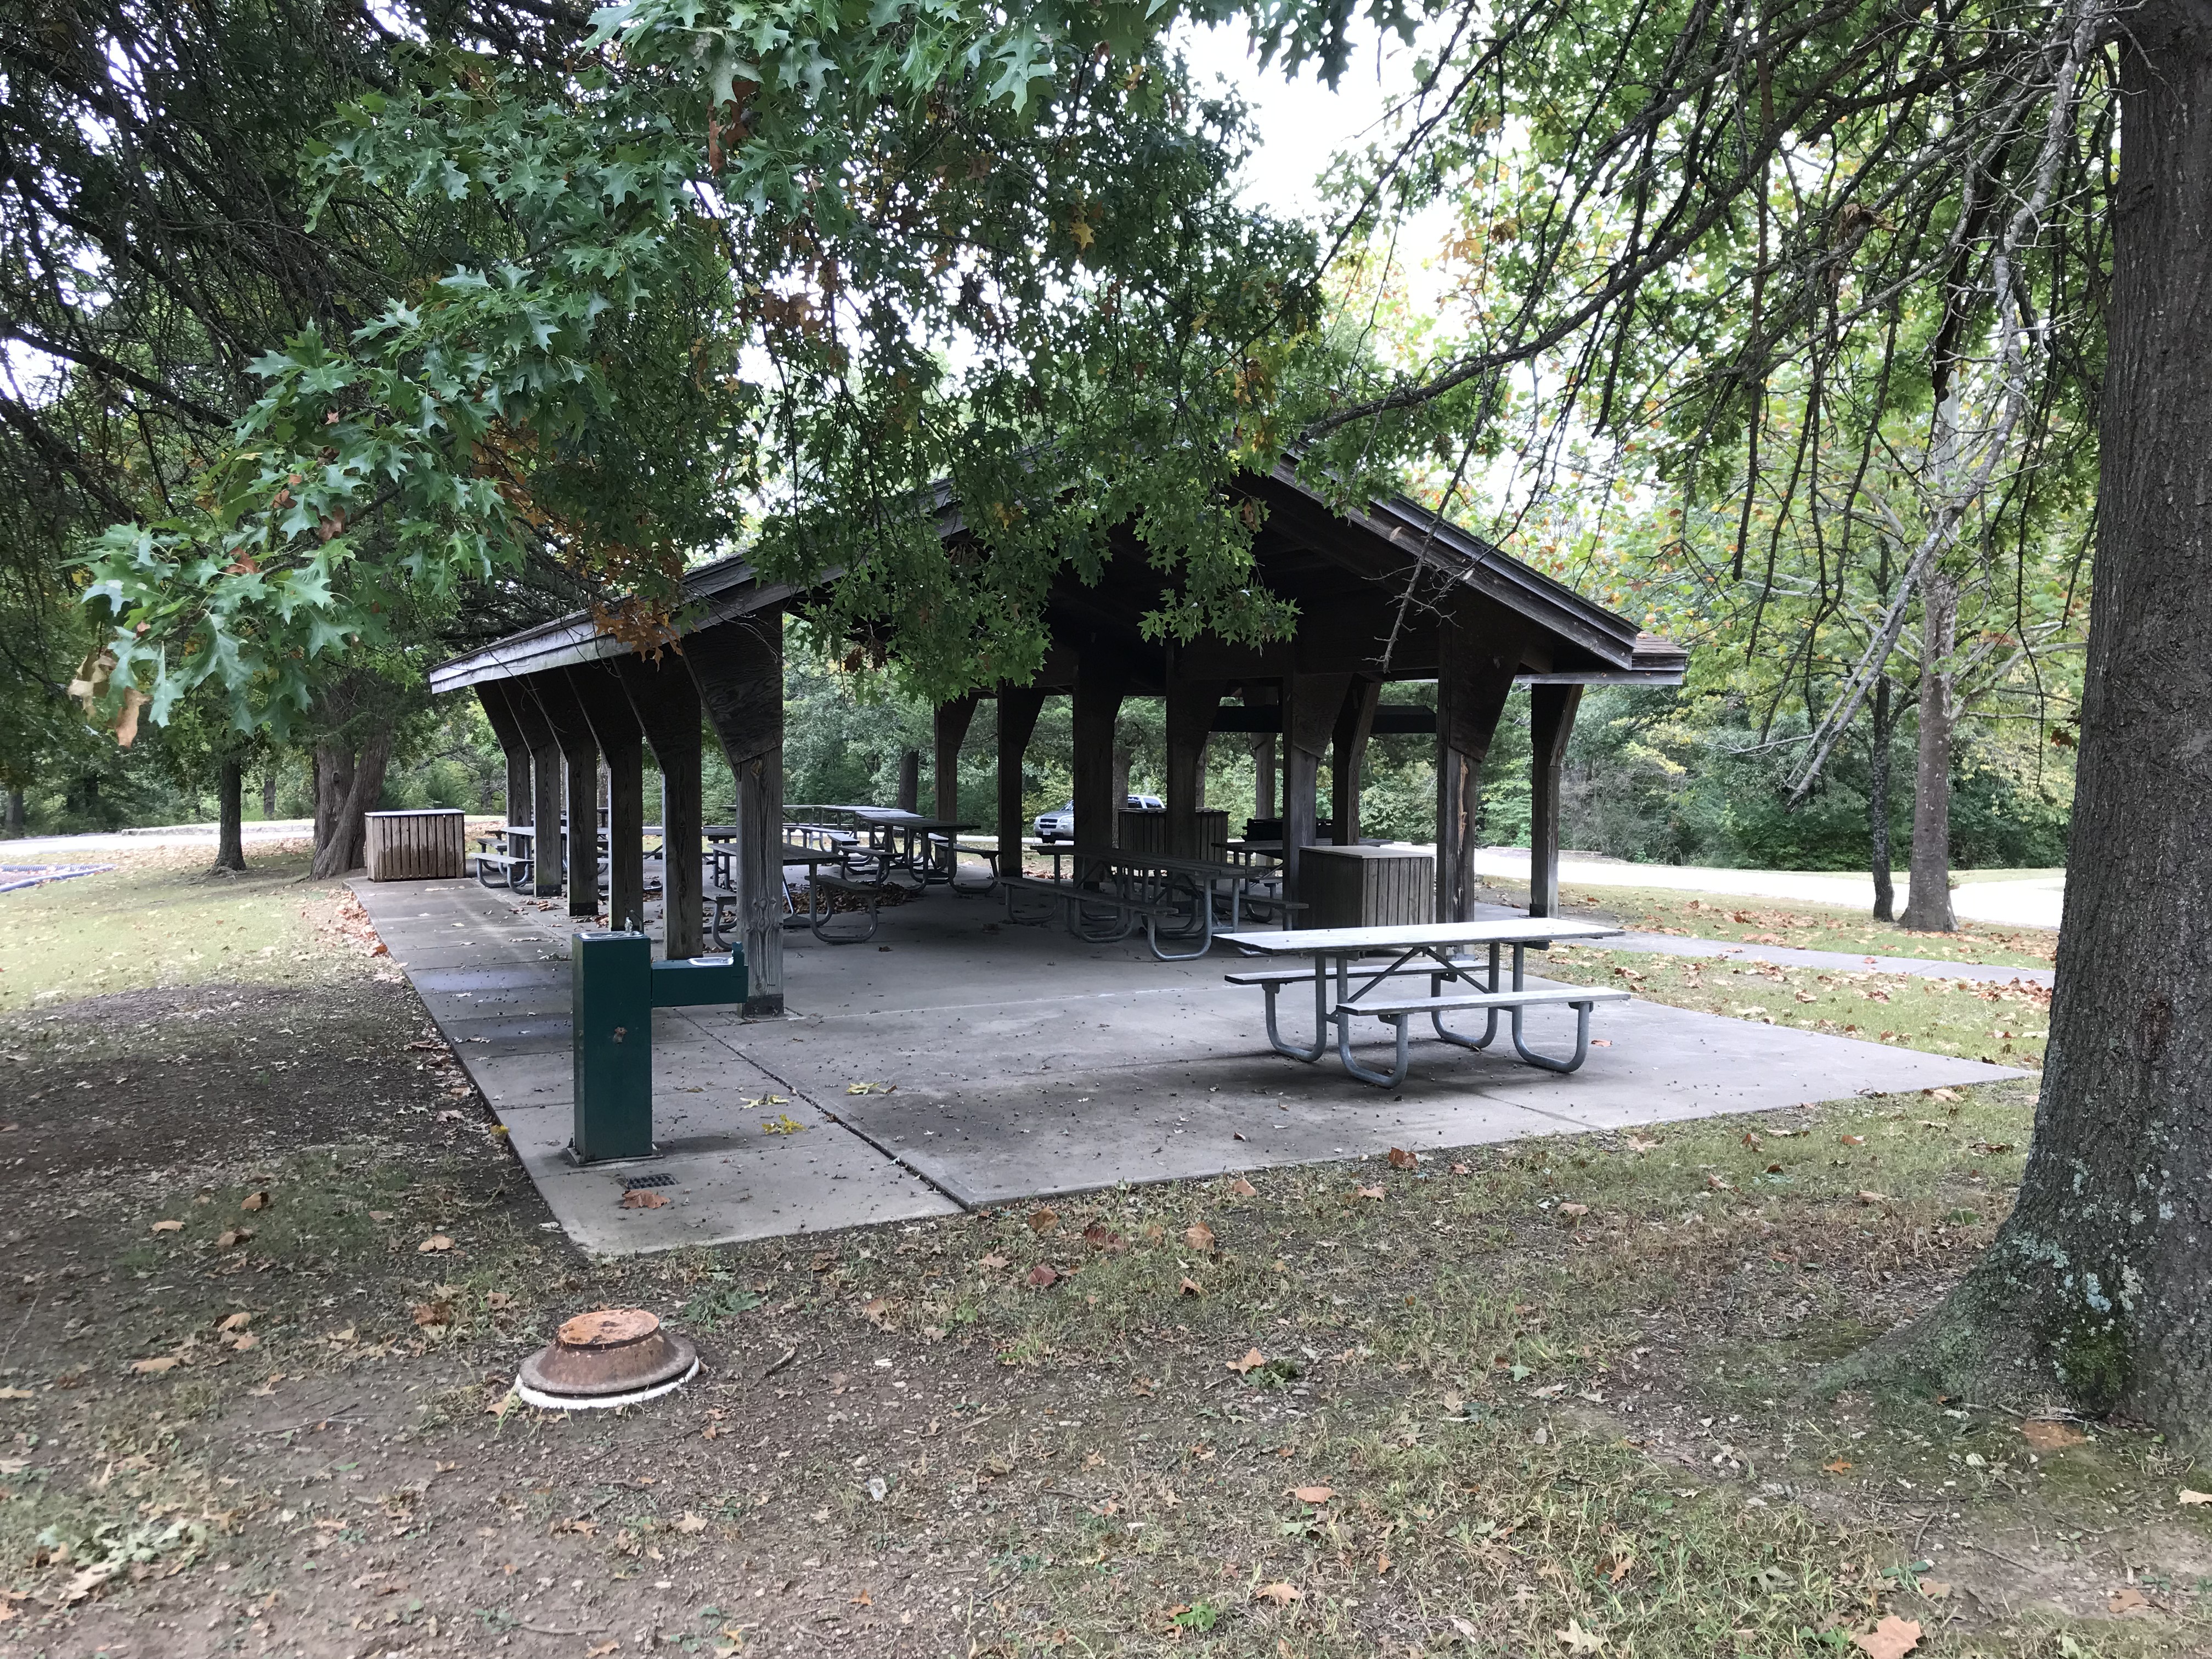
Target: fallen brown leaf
(878,1313)
(1893,1639)
(604,1649)
(1042,1277)
(168,1226)
(687,1523)
(1280,1594)
(1402,1159)
(1099,1236)
(1313,1494)
(255,1201)
(1198,1236)
(638,1198)
(2127,1599)
(1868,1197)
(433,1313)
(1043,1220)
(1574,1209)
(1369,1192)
(229,1237)
(1190,1287)
(993,1261)
(1241,1187)
(237,1321)
(2052,1437)
(2189,1497)
(436,1242)
(1252,1361)
(167,1362)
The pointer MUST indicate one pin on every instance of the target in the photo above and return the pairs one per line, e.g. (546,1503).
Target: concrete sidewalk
(960,1060)
(2033,901)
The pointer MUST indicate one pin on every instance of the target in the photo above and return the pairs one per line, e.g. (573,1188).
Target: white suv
(1060,824)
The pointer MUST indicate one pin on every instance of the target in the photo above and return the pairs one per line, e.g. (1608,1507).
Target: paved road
(47,849)
(2034,902)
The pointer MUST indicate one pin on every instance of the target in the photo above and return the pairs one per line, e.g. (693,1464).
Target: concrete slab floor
(960,1059)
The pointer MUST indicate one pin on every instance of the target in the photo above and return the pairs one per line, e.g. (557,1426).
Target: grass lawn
(275,1268)
(2006,1025)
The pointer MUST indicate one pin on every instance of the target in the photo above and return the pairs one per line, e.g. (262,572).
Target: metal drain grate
(636,1181)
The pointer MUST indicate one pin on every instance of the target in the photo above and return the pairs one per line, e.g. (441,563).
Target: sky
(1303,123)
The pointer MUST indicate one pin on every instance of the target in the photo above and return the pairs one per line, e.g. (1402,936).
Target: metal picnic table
(1437,951)
(907,841)
(1171,897)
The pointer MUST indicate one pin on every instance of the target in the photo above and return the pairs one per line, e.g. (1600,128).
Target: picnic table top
(1115,855)
(1353,941)
(901,818)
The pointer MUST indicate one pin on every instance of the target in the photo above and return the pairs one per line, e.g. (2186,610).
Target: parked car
(1060,824)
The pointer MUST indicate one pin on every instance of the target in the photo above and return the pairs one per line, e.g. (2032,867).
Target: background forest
(1651,777)
(1805,529)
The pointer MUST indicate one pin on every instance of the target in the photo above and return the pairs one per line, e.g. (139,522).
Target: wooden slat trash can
(1367,887)
(422,846)
(1148,832)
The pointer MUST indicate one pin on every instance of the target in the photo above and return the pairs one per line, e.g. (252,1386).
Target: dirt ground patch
(1545,1399)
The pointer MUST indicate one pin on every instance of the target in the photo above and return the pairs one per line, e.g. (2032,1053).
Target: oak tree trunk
(269,794)
(2094,1291)
(1928,900)
(347,784)
(230,813)
(1884,721)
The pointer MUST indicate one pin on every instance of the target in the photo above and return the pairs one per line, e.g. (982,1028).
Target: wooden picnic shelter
(1389,594)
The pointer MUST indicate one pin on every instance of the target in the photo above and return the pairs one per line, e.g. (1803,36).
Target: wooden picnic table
(1439,952)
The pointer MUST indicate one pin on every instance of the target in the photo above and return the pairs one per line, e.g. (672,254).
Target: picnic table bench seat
(990,857)
(1395,1011)
(871,891)
(516,866)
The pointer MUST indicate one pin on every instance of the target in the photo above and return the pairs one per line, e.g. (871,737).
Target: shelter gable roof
(1390,533)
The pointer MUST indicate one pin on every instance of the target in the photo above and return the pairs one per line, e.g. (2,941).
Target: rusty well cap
(608,1328)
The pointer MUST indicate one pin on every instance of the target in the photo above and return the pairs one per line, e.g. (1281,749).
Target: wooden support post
(1311,703)
(1355,724)
(739,668)
(508,731)
(564,716)
(1474,675)
(1550,720)
(545,766)
(951,723)
(1018,707)
(1099,689)
(599,691)
(666,705)
(1192,705)
(1263,756)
